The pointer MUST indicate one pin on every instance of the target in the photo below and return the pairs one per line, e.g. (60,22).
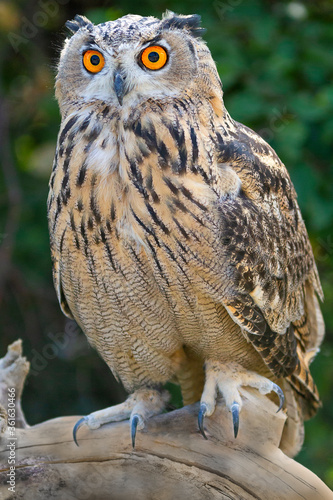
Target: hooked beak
(119,86)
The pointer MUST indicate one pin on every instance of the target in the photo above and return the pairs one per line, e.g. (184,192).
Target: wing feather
(268,266)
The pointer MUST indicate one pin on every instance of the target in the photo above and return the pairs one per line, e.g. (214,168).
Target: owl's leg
(227,379)
(138,407)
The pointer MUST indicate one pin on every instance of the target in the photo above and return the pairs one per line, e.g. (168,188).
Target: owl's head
(133,59)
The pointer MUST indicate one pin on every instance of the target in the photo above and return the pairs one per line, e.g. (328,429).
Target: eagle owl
(177,242)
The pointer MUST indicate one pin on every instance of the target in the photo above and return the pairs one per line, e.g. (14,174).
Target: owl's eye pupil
(153,57)
(95,60)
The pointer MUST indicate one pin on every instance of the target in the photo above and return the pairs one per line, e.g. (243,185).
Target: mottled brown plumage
(176,236)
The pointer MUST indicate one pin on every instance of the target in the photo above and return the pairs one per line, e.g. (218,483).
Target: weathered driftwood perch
(14,369)
(171,459)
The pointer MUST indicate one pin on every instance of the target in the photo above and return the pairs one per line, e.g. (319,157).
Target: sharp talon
(77,426)
(201,416)
(134,425)
(235,417)
(279,392)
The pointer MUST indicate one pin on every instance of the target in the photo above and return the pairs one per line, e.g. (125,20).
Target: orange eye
(154,57)
(93,61)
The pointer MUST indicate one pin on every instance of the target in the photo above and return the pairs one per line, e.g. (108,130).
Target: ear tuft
(191,23)
(79,22)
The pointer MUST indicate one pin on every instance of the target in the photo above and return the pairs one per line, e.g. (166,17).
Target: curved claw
(235,417)
(134,425)
(201,416)
(77,426)
(279,392)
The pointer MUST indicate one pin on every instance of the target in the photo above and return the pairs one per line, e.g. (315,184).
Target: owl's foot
(227,379)
(138,407)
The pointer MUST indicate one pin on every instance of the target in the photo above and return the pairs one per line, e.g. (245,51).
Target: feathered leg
(138,407)
(228,379)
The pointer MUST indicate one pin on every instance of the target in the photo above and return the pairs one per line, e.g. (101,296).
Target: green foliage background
(275,60)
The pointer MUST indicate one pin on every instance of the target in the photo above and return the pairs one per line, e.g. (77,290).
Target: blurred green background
(275,60)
